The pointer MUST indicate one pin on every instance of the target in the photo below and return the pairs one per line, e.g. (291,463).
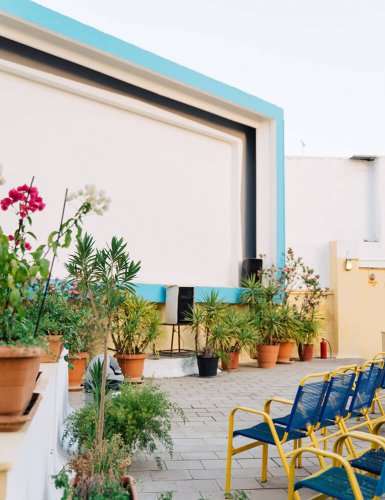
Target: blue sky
(323,62)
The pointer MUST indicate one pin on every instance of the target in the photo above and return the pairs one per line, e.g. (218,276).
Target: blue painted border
(157,293)
(69,28)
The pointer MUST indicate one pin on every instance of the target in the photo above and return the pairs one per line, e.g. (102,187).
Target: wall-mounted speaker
(251,266)
(179,301)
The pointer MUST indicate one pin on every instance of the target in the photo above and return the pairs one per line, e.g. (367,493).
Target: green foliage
(242,329)
(136,326)
(20,267)
(140,415)
(98,471)
(206,324)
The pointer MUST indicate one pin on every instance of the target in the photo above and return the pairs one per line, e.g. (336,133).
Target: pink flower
(28,246)
(11,237)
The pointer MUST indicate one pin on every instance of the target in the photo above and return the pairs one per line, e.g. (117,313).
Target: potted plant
(140,414)
(292,328)
(208,328)
(266,312)
(136,328)
(99,473)
(79,341)
(308,333)
(241,334)
(20,265)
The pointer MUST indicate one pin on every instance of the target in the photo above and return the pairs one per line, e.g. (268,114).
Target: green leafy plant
(241,329)
(207,325)
(136,326)
(140,415)
(104,277)
(20,265)
(98,473)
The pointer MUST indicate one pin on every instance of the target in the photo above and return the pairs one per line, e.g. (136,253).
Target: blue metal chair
(371,460)
(339,480)
(369,378)
(378,397)
(298,424)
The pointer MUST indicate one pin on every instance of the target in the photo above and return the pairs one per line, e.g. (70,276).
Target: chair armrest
(326,454)
(267,405)
(362,436)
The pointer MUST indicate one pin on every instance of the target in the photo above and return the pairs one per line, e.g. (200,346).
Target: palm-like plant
(241,328)
(205,319)
(103,277)
(136,326)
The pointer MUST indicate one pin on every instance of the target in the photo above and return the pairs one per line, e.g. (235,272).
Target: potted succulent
(209,330)
(79,341)
(136,328)
(241,334)
(20,265)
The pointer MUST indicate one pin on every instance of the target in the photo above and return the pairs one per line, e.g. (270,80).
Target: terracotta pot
(128,481)
(232,363)
(132,365)
(75,375)
(305,352)
(267,355)
(284,353)
(19,367)
(55,346)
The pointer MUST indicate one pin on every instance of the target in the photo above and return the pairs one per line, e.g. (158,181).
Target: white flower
(97,199)
(2,180)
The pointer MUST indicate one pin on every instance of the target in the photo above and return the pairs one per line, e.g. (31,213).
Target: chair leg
(299,461)
(265,456)
(315,442)
(324,433)
(229,454)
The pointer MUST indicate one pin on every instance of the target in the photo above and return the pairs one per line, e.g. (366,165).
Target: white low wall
(33,454)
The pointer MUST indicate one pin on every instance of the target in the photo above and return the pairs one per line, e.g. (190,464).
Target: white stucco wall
(175,184)
(334,199)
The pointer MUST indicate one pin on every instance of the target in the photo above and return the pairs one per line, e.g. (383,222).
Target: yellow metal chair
(339,480)
(295,426)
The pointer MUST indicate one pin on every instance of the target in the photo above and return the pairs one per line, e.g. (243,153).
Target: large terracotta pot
(284,353)
(232,363)
(19,367)
(55,346)
(76,374)
(305,352)
(267,355)
(132,365)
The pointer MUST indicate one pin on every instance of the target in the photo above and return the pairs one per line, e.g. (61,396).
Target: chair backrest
(368,380)
(337,394)
(381,355)
(380,488)
(307,402)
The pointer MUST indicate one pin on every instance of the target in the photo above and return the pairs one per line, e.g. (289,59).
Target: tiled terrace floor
(197,468)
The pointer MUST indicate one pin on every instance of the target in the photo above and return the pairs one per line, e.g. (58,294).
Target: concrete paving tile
(156,487)
(171,475)
(183,464)
(199,455)
(148,465)
(198,485)
(218,463)
(244,483)
(148,496)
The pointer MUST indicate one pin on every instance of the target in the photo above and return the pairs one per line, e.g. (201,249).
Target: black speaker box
(251,266)
(179,301)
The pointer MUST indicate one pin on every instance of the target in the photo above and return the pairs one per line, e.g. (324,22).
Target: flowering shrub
(21,265)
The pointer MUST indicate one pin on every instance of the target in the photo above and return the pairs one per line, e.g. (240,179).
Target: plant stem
(51,268)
